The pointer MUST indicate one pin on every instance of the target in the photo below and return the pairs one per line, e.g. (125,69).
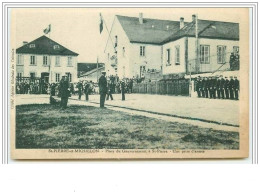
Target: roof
(85,67)
(208,29)
(152,31)
(91,72)
(44,45)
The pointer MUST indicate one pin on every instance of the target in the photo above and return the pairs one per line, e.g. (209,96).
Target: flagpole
(97,68)
(50,57)
(109,34)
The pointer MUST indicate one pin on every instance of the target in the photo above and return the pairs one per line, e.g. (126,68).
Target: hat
(235,77)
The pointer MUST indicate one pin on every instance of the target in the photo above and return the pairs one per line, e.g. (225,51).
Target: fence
(177,87)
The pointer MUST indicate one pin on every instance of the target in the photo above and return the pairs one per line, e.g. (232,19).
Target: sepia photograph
(129,83)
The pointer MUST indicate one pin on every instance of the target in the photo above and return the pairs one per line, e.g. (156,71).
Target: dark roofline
(43,53)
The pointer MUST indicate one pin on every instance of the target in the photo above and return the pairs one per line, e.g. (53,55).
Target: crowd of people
(33,87)
(217,87)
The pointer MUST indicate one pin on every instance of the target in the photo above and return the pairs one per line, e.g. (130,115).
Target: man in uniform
(198,86)
(210,87)
(206,87)
(236,88)
(202,87)
(123,90)
(102,83)
(231,61)
(110,90)
(80,89)
(87,90)
(226,87)
(64,92)
(231,88)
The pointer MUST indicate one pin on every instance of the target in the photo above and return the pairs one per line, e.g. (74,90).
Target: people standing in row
(217,87)
(102,83)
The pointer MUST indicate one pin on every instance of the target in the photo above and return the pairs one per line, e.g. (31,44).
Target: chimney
(181,22)
(193,17)
(25,42)
(141,20)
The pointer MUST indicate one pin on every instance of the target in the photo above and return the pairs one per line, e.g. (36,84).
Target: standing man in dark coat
(110,90)
(226,87)
(123,90)
(102,83)
(218,87)
(198,86)
(231,61)
(236,88)
(221,86)
(206,87)
(80,89)
(210,86)
(64,92)
(87,90)
(202,87)
(231,88)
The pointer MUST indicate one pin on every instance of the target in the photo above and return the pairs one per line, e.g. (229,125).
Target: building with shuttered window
(46,59)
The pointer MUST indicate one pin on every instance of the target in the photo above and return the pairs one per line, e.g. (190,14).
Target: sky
(78,28)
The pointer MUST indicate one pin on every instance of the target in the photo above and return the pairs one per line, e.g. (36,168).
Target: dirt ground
(47,126)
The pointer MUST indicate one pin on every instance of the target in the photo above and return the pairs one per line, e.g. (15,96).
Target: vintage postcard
(129,83)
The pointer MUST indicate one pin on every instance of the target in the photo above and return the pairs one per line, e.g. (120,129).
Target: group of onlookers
(32,88)
(217,87)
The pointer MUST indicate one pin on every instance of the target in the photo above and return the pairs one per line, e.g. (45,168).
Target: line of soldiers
(217,87)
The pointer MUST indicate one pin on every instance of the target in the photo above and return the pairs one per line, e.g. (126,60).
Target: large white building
(46,59)
(137,45)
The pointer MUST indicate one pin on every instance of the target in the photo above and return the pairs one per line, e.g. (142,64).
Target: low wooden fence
(178,87)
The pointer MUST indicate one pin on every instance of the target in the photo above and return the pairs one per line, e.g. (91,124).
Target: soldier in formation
(217,87)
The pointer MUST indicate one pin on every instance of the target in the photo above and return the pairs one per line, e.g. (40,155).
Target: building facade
(139,45)
(46,59)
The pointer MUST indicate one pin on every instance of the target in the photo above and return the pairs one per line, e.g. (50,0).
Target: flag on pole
(47,30)
(101,24)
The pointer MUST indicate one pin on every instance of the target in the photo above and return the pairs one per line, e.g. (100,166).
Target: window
(204,54)
(168,57)
(32,45)
(57,78)
(221,53)
(236,50)
(142,71)
(32,75)
(69,61)
(56,47)
(19,74)
(177,55)
(142,50)
(57,61)
(69,76)
(45,60)
(20,59)
(123,51)
(32,60)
